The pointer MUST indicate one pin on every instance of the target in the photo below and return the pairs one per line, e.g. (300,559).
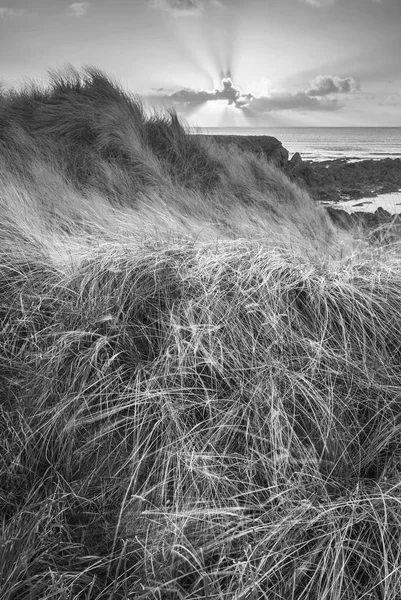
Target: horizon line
(302,127)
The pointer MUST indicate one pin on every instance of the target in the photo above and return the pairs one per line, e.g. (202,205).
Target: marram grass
(200,392)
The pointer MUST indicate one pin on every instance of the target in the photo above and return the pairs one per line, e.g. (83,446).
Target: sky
(222,63)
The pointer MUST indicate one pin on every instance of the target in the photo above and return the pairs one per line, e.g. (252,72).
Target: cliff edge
(270,146)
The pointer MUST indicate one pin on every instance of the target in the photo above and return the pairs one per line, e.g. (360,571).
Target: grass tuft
(199,376)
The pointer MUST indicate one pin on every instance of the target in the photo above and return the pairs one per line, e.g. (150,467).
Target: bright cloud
(185,8)
(10,12)
(78,9)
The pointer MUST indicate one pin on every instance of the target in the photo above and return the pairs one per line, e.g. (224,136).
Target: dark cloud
(284,100)
(228,92)
(232,94)
(190,96)
(320,96)
(324,85)
(182,8)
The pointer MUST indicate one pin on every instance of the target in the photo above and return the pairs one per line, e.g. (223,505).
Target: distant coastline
(319,144)
(264,129)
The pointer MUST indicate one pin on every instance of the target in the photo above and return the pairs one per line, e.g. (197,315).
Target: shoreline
(343,180)
(330,182)
(388,202)
(318,144)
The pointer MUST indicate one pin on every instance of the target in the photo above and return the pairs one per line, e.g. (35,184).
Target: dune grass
(199,375)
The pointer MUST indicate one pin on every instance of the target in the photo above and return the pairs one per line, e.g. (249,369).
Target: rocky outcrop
(329,180)
(340,217)
(366,220)
(336,180)
(296,161)
(267,145)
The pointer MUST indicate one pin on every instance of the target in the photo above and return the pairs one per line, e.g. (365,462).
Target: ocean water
(328,143)
(390,202)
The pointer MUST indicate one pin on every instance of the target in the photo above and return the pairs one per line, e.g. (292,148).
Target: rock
(383,214)
(279,156)
(296,160)
(337,180)
(366,220)
(340,217)
(270,146)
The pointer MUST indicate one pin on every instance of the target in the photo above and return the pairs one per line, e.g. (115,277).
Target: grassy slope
(200,392)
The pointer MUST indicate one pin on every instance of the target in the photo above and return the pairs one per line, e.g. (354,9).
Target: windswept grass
(200,390)
(82,149)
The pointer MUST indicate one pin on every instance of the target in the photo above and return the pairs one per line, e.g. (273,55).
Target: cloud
(323,3)
(391,100)
(228,91)
(321,95)
(78,9)
(284,100)
(318,3)
(323,85)
(189,96)
(10,12)
(274,100)
(185,8)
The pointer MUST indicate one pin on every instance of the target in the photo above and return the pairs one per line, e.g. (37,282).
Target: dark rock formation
(365,220)
(296,161)
(336,180)
(340,217)
(301,171)
(269,146)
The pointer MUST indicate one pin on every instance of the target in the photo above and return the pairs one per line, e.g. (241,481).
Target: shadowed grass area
(200,382)
(82,149)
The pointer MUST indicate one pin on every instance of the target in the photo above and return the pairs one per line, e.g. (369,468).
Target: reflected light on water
(390,202)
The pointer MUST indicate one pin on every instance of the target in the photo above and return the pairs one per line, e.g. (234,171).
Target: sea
(329,143)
